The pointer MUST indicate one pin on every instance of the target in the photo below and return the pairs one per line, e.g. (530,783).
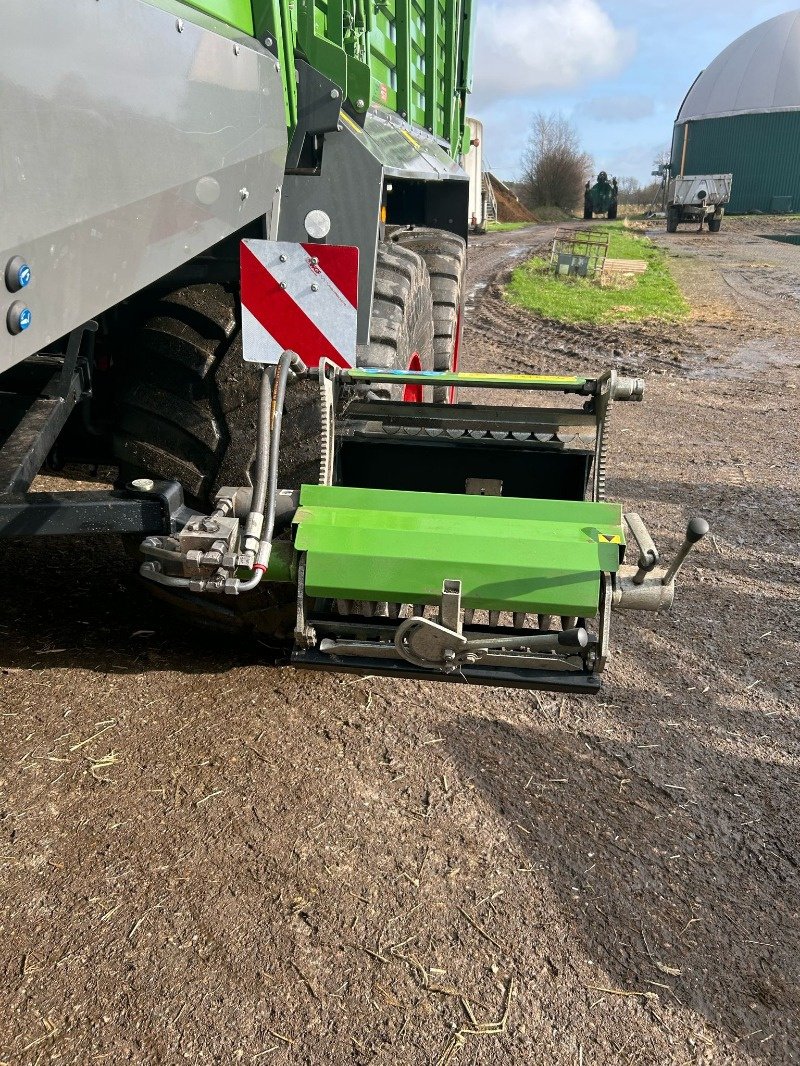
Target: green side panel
(238,13)
(410,56)
(761,151)
(419,59)
(276,19)
(538,556)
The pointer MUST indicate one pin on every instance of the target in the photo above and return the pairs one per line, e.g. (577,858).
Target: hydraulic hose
(255,520)
(286,363)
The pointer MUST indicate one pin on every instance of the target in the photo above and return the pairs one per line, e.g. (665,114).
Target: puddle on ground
(745,360)
(478,287)
(781,238)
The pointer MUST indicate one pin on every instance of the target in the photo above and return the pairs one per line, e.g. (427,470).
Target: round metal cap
(317,224)
(19,318)
(18,274)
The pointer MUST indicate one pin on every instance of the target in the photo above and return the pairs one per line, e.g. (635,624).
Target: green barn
(742,116)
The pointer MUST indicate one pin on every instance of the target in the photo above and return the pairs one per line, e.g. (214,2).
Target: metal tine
(418,610)
(381,609)
(567,622)
(545,622)
(494,618)
(519,619)
(344,606)
(393,610)
(469,614)
(366,608)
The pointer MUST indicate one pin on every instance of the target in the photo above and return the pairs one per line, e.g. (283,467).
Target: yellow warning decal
(354,126)
(413,140)
(610,538)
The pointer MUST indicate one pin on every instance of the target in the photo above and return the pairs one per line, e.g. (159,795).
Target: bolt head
(314,287)
(244,194)
(317,224)
(334,94)
(360,104)
(179,25)
(236,49)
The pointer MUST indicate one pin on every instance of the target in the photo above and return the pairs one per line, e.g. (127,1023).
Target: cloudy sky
(617,70)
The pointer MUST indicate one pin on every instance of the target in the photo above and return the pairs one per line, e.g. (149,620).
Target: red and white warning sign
(299,296)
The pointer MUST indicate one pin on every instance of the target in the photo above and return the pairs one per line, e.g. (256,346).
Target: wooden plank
(625,266)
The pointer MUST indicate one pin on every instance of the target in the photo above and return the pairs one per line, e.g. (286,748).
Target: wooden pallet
(624,266)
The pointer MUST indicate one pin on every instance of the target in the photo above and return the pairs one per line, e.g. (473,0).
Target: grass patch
(504,227)
(652,295)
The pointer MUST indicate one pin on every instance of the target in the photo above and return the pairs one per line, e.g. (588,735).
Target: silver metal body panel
(128,146)
(406,151)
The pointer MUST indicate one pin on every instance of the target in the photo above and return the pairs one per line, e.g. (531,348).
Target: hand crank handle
(695,531)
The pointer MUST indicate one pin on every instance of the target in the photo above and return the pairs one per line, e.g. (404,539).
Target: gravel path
(209,859)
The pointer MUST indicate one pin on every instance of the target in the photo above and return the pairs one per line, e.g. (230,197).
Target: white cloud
(626,107)
(524,48)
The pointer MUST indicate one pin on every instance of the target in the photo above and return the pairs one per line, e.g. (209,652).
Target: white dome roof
(759,72)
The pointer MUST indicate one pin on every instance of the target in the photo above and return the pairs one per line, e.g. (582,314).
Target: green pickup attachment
(538,556)
(460,541)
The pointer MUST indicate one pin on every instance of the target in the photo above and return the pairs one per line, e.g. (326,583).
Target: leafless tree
(633,193)
(663,158)
(554,168)
(630,191)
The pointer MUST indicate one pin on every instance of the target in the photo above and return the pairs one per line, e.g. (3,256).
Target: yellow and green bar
(533,382)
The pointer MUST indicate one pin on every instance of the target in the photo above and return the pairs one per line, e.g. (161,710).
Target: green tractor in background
(601,198)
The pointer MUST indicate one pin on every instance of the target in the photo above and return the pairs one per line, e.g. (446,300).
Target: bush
(554,167)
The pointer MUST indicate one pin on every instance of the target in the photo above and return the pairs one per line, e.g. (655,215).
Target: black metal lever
(695,531)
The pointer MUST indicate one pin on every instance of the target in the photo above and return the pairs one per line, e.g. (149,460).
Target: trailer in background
(698,198)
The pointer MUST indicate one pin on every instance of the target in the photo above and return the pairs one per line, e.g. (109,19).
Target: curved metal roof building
(742,116)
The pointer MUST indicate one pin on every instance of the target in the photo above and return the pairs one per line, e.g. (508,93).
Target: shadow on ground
(660,886)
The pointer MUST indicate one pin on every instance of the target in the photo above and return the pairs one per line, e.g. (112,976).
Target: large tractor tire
(185,403)
(445,256)
(673,218)
(612,212)
(714,224)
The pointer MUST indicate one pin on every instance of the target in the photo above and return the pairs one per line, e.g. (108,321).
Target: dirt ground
(210,859)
